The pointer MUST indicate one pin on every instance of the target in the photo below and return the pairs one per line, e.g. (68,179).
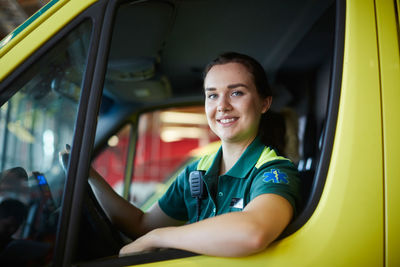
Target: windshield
(36,123)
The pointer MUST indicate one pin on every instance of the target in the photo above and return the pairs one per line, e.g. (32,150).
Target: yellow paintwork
(390,87)
(38,32)
(347,228)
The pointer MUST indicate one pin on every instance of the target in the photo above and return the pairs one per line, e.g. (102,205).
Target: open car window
(157,66)
(36,123)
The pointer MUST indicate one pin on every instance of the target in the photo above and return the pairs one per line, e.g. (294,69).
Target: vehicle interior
(157,53)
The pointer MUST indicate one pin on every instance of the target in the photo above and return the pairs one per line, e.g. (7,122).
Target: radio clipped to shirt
(197,188)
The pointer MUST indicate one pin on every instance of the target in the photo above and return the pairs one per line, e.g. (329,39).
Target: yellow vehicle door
(388,43)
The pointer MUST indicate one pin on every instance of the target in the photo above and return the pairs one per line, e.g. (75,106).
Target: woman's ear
(266,104)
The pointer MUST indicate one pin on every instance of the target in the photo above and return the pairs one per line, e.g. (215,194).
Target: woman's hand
(63,157)
(143,243)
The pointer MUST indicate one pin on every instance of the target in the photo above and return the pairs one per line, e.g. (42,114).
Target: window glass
(111,163)
(36,123)
(167,141)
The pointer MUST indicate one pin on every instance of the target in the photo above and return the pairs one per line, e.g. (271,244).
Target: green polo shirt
(258,171)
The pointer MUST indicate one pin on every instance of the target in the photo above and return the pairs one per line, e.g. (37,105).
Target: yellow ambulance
(120,81)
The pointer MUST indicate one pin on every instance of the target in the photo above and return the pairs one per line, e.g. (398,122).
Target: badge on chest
(237,203)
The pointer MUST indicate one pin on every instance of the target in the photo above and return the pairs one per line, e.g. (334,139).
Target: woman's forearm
(229,235)
(121,213)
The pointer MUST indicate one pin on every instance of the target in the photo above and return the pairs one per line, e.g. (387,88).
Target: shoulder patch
(275,176)
(267,155)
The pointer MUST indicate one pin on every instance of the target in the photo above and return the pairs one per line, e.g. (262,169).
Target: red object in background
(155,160)
(159,159)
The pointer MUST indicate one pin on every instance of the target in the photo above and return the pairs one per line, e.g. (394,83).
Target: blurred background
(15,12)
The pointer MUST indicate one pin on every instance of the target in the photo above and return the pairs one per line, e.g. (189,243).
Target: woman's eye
(237,93)
(212,96)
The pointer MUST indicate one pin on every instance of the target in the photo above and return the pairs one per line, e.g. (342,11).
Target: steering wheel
(98,237)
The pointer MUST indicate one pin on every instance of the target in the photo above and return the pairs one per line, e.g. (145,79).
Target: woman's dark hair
(271,129)
(257,71)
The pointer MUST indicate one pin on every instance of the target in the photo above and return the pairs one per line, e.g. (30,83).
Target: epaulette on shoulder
(205,162)
(268,155)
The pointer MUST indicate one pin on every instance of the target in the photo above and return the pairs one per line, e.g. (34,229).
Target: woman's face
(233,105)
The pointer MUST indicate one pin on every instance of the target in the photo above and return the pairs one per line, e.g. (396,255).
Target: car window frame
(77,176)
(329,130)
(85,125)
(322,164)
(102,15)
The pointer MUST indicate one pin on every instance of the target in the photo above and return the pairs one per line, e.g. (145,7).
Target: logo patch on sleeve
(275,176)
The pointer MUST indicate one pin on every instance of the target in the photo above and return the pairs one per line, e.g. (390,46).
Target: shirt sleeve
(173,200)
(278,177)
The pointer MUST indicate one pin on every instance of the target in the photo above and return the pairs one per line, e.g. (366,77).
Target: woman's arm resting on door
(229,235)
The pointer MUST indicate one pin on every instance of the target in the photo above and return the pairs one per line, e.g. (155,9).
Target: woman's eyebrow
(231,86)
(235,85)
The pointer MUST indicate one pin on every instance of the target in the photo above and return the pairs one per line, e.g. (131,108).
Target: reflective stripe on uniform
(205,162)
(267,155)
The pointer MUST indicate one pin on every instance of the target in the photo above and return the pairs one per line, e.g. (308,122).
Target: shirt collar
(245,163)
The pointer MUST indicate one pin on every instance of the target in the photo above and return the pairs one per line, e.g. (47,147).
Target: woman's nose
(224,104)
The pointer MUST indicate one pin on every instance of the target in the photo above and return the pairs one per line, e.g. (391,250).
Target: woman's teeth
(227,120)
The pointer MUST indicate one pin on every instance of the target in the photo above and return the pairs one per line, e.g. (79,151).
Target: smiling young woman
(250,192)
(233,107)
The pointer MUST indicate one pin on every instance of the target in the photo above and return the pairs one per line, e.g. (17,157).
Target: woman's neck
(231,153)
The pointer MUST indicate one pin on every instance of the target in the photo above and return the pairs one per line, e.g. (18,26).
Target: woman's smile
(227,121)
